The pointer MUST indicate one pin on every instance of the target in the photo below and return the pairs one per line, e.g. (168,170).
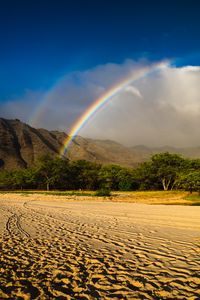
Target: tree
(167,166)
(61,173)
(52,172)
(147,178)
(127,180)
(161,171)
(84,175)
(191,165)
(6,180)
(109,176)
(19,178)
(190,181)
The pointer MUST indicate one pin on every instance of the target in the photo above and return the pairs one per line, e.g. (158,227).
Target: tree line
(164,171)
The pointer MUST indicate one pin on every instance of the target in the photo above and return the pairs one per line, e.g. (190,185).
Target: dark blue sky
(40,41)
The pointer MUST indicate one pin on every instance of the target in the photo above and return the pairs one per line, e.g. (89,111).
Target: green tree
(161,171)
(6,180)
(167,166)
(19,178)
(61,173)
(52,172)
(147,178)
(127,180)
(84,175)
(109,176)
(190,181)
(191,165)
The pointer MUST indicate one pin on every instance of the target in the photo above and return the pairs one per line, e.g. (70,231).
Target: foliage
(52,172)
(147,179)
(108,176)
(103,192)
(84,175)
(166,167)
(195,199)
(190,181)
(127,180)
(163,171)
(6,180)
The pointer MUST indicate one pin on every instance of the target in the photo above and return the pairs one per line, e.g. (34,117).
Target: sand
(57,249)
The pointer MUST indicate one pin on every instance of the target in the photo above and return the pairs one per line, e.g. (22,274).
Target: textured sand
(56,249)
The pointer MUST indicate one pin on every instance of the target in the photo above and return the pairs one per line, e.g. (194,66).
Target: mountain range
(21,145)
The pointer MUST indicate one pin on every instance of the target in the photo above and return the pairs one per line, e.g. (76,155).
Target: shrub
(104,192)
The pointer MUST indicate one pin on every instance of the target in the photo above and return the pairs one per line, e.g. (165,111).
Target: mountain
(146,153)
(21,145)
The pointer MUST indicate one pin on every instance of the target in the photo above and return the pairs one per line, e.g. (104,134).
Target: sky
(57,57)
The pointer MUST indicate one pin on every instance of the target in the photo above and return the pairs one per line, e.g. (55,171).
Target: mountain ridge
(21,145)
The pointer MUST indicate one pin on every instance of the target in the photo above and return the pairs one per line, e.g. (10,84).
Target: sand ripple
(63,250)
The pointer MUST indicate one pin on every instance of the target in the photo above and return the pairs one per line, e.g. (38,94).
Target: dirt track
(53,249)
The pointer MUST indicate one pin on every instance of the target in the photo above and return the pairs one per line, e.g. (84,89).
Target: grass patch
(146,197)
(103,193)
(153,194)
(194,198)
(157,197)
(54,193)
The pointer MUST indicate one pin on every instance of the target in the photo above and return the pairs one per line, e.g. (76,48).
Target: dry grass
(159,197)
(146,197)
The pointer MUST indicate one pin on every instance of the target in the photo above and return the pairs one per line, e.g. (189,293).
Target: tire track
(64,258)
(13,225)
(116,240)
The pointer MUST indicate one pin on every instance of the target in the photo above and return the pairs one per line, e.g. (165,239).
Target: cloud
(22,107)
(161,108)
(168,113)
(131,89)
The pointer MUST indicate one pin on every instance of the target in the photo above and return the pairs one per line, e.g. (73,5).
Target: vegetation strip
(142,197)
(164,171)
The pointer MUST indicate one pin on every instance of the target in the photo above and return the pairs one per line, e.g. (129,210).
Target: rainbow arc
(103,99)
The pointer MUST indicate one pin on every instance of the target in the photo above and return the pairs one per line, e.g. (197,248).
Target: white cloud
(160,108)
(131,89)
(191,68)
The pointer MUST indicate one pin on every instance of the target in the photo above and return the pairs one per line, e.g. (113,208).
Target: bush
(104,192)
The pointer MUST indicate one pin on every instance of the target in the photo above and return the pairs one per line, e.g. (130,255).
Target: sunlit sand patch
(65,250)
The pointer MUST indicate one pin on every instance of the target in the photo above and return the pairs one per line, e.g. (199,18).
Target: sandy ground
(57,249)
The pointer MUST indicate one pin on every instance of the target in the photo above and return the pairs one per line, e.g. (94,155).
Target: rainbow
(103,99)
